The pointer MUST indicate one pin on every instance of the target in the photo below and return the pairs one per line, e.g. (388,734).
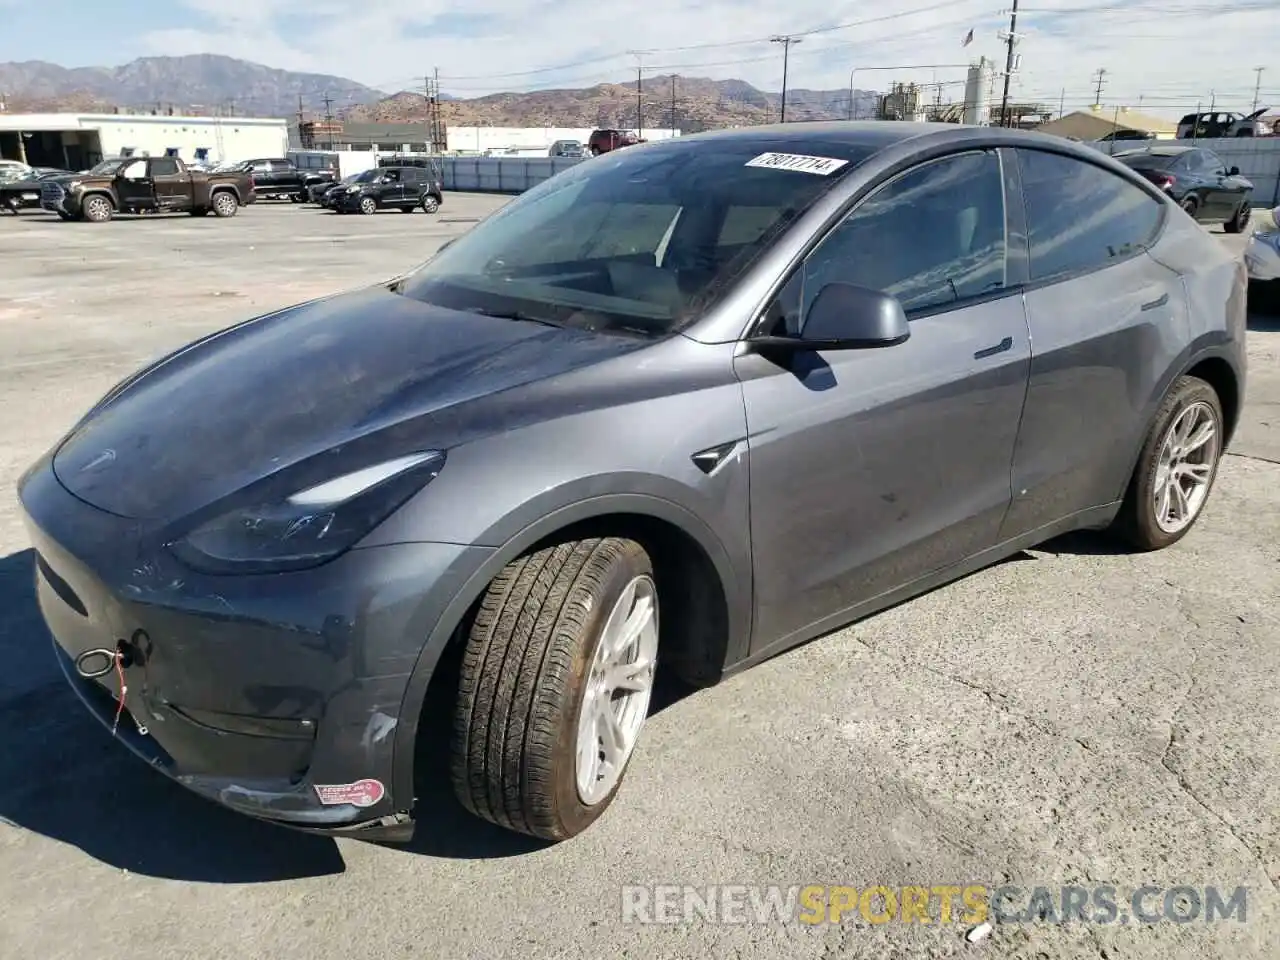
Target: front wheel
(1238,222)
(430,204)
(96,209)
(368,205)
(225,204)
(1190,205)
(1176,468)
(555,685)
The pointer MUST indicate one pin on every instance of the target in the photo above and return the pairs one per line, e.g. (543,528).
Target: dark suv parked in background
(602,141)
(278,178)
(400,188)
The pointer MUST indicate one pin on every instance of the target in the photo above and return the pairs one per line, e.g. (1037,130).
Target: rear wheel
(430,204)
(555,685)
(1176,468)
(224,204)
(96,208)
(1190,205)
(1240,221)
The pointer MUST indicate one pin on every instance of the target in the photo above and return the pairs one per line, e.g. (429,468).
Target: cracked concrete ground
(1073,716)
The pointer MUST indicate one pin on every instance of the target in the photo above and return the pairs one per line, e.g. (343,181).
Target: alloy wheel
(615,700)
(1185,469)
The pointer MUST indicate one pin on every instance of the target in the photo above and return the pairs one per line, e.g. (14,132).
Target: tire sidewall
(224,204)
(572,815)
(430,205)
(368,205)
(96,202)
(1185,391)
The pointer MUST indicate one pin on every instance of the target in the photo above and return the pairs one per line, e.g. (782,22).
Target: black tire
(1136,522)
(65,217)
(1190,205)
(406,209)
(96,208)
(297,197)
(595,151)
(430,204)
(198,211)
(224,203)
(528,655)
(1240,220)
(368,206)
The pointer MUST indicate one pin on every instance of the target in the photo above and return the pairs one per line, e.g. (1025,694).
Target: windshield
(639,241)
(367,176)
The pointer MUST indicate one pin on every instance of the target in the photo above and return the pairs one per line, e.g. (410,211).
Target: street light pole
(786,42)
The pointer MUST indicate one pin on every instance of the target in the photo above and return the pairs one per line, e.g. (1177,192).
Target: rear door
(873,468)
(1107,322)
(172,185)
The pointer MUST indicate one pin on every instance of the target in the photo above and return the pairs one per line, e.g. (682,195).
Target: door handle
(1001,347)
(1158,302)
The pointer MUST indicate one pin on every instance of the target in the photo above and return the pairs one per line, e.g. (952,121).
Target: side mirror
(1233,172)
(846,317)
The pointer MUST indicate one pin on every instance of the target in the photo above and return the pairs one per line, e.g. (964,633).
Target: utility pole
(639,55)
(1062,103)
(673,104)
(328,119)
(438,137)
(1010,42)
(786,42)
(302,142)
(1257,87)
(1099,78)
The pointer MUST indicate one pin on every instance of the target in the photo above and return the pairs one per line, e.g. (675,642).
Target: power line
(815,31)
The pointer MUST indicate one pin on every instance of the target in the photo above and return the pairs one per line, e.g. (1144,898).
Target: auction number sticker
(822,166)
(362,793)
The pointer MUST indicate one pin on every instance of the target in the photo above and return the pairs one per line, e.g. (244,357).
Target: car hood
(371,369)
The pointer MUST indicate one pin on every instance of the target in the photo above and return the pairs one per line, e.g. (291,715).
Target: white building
(74,141)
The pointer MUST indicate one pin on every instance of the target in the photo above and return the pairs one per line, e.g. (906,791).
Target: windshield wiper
(518,315)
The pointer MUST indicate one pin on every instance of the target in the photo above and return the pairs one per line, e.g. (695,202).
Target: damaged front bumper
(277,697)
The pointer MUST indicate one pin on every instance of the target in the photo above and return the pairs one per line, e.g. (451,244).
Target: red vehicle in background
(602,141)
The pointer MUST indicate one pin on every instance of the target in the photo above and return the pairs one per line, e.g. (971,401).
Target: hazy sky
(1171,54)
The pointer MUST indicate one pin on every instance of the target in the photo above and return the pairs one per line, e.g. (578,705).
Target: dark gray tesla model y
(689,403)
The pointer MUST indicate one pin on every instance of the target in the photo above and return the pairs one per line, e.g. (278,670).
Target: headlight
(73,184)
(311,526)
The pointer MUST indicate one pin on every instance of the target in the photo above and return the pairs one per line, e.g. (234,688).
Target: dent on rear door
(1102,347)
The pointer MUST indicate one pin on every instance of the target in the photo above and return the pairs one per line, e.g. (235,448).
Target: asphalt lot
(1075,716)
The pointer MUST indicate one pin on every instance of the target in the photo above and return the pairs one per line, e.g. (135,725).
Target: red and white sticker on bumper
(362,793)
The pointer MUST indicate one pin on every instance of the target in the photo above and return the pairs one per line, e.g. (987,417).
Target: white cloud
(1171,54)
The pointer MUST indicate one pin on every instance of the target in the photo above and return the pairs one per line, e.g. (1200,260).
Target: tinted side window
(932,236)
(1212,162)
(164,167)
(1080,216)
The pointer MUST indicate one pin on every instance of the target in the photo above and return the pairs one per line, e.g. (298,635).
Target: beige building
(1096,122)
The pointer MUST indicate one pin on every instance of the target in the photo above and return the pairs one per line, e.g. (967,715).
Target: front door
(133,187)
(873,468)
(1107,321)
(391,191)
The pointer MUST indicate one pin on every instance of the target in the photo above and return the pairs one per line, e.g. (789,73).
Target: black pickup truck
(144,185)
(279,178)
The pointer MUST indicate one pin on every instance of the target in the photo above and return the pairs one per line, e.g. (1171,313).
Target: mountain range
(212,84)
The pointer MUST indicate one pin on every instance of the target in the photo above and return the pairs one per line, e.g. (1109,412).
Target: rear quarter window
(1080,216)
